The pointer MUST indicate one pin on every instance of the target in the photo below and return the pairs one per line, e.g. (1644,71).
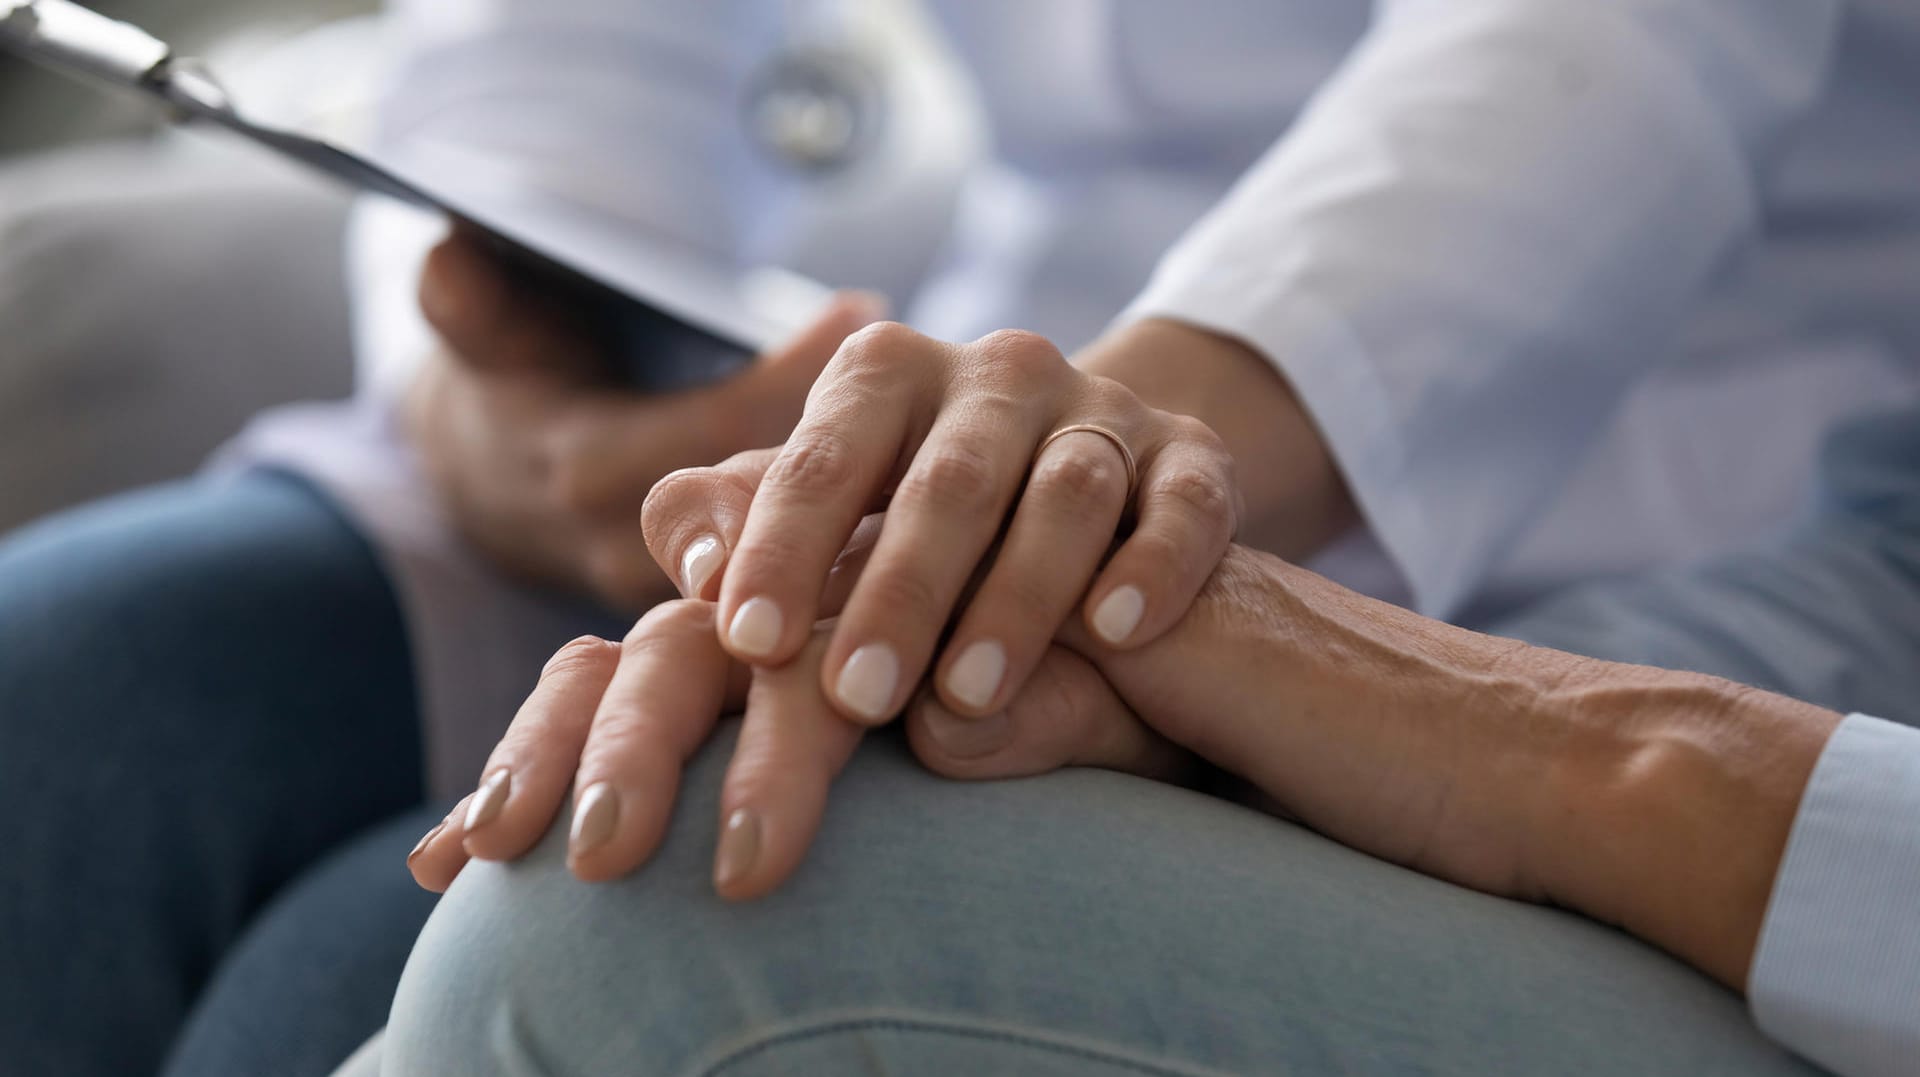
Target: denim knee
(525,970)
(884,954)
(1083,923)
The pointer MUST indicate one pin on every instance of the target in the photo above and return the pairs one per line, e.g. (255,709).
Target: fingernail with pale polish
(491,797)
(867,681)
(699,562)
(739,848)
(1119,614)
(968,738)
(755,630)
(593,819)
(975,676)
(427,840)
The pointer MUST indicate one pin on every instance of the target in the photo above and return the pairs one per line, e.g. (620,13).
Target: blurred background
(158,287)
(38,113)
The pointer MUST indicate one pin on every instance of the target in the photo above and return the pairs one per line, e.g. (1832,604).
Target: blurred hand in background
(542,465)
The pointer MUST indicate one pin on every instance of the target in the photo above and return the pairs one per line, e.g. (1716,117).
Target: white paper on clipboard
(664,323)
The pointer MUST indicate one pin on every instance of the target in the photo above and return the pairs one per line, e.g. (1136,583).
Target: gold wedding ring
(1126,454)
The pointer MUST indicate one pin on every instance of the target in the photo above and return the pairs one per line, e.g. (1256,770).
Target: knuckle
(903,597)
(1105,396)
(585,654)
(770,561)
(1019,347)
(874,351)
(1028,599)
(1080,480)
(956,478)
(879,339)
(1187,428)
(1157,550)
(1199,495)
(815,462)
(1016,358)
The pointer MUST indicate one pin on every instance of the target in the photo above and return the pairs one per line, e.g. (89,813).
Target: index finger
(856,430)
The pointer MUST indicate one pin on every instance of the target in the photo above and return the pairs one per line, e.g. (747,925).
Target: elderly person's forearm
(1656,800)
(1670,813)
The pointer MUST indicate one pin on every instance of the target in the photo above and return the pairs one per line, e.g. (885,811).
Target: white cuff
(1836,975)
(1310,344)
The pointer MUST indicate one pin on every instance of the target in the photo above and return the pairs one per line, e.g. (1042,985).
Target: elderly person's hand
(1655,800)
(998,445)
(614,722)
(544,467)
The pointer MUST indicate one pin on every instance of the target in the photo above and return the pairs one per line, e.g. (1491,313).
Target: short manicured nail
(755,630)
(593,819)
(491,797)
(967,738)
(1119,614)
(867,682)
(698,564)
(426,840)
(976,674)
(739,848)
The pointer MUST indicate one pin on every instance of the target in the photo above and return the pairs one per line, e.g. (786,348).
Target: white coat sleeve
(1480,230)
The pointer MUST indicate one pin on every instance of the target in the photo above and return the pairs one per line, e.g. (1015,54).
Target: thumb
(693,517)
(1066,715)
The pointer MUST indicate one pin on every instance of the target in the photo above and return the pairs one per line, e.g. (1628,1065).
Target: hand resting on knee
(1512,769)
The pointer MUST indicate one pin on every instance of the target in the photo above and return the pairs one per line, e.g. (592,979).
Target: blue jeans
(1082,924)
(205,690)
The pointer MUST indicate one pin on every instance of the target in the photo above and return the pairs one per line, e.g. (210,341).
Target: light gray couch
(153,294)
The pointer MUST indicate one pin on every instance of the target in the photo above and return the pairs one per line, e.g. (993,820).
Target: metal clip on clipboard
(82,42)
(648,348)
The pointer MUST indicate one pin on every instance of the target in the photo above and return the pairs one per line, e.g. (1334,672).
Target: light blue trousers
(1083,923)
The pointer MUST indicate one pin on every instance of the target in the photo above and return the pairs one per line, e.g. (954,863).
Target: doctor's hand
(542,466)
(1088,500)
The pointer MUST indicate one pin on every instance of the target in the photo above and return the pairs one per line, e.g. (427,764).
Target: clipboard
(648,345)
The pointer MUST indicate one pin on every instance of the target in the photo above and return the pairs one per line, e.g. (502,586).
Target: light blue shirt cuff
(1837,973)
